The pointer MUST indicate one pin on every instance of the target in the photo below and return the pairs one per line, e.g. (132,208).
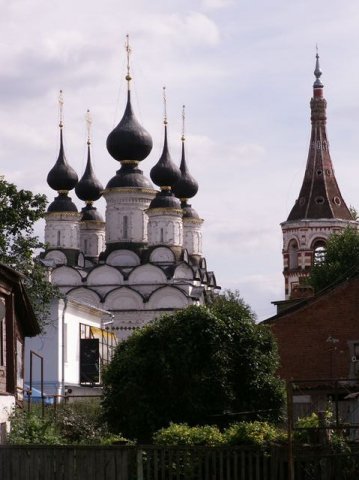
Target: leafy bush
(182,434)
(254,433)
(30,428)
(203,361)
(76,423)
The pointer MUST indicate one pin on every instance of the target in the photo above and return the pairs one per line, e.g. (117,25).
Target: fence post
(290,430)
(139,457)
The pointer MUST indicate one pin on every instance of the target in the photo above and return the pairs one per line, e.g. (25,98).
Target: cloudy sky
(243,68)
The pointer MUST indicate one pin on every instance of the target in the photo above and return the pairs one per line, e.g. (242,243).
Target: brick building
(318,338)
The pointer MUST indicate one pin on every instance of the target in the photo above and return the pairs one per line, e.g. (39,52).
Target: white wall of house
(60,345)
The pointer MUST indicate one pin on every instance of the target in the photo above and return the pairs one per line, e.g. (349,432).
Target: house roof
(299,304)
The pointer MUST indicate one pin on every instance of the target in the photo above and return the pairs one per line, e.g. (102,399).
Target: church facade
(145,258)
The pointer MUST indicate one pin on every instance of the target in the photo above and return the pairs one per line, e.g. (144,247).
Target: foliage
(19,210)
(30,428)
(254,433)
(192,367)
(182,434)
(307,431)
(341,260)
(76,423)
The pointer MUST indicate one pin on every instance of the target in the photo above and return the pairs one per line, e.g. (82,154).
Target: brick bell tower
(320,209)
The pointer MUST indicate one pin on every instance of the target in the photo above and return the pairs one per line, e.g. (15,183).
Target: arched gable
(104,275)
(123,298)
(123,258)
(147,274)
(318,241)
(167,298)
(85,295)
(162,255)
(57,256)
(65,276)
(183,271)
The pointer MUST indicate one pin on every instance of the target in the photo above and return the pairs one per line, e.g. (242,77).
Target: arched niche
(104,275)
(167,298)
(147,274)
(293,254)
(183,271)
(162,255)
(123,299)
(58,257)
(85,295)
(123,258)
(65,276)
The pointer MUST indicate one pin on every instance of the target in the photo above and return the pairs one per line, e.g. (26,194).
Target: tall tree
(341,260)
(193,367)
(19,210)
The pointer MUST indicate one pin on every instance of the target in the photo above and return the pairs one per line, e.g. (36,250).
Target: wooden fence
(160,463)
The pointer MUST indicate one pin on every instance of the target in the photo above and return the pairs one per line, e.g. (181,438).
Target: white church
(143,260)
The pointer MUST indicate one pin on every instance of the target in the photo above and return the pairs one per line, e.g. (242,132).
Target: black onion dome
(62,176)
(89,188)
(62,203)
(130,177)
(188,211)
(90,213)
(165,173)
(129,140)
(187,186)
(165,199)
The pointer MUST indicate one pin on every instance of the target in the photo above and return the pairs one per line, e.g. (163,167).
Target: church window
(319,252)
(85,245)
(162,236)
(293,255)
(337,201)
(58,238)
(319,200)
(319,172)
(125,227)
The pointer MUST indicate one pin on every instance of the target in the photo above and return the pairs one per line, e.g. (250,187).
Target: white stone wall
(126,218)
(62,230)
(92,238)
(192,236)
(165,227)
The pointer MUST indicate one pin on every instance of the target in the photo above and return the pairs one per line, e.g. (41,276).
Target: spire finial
(88,126)
(183,122)
(164,106)
(61,109)
(317,71)
(128,53)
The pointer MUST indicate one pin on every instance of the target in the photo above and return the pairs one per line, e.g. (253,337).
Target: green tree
(19,210)
(341,260)
(192,367)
